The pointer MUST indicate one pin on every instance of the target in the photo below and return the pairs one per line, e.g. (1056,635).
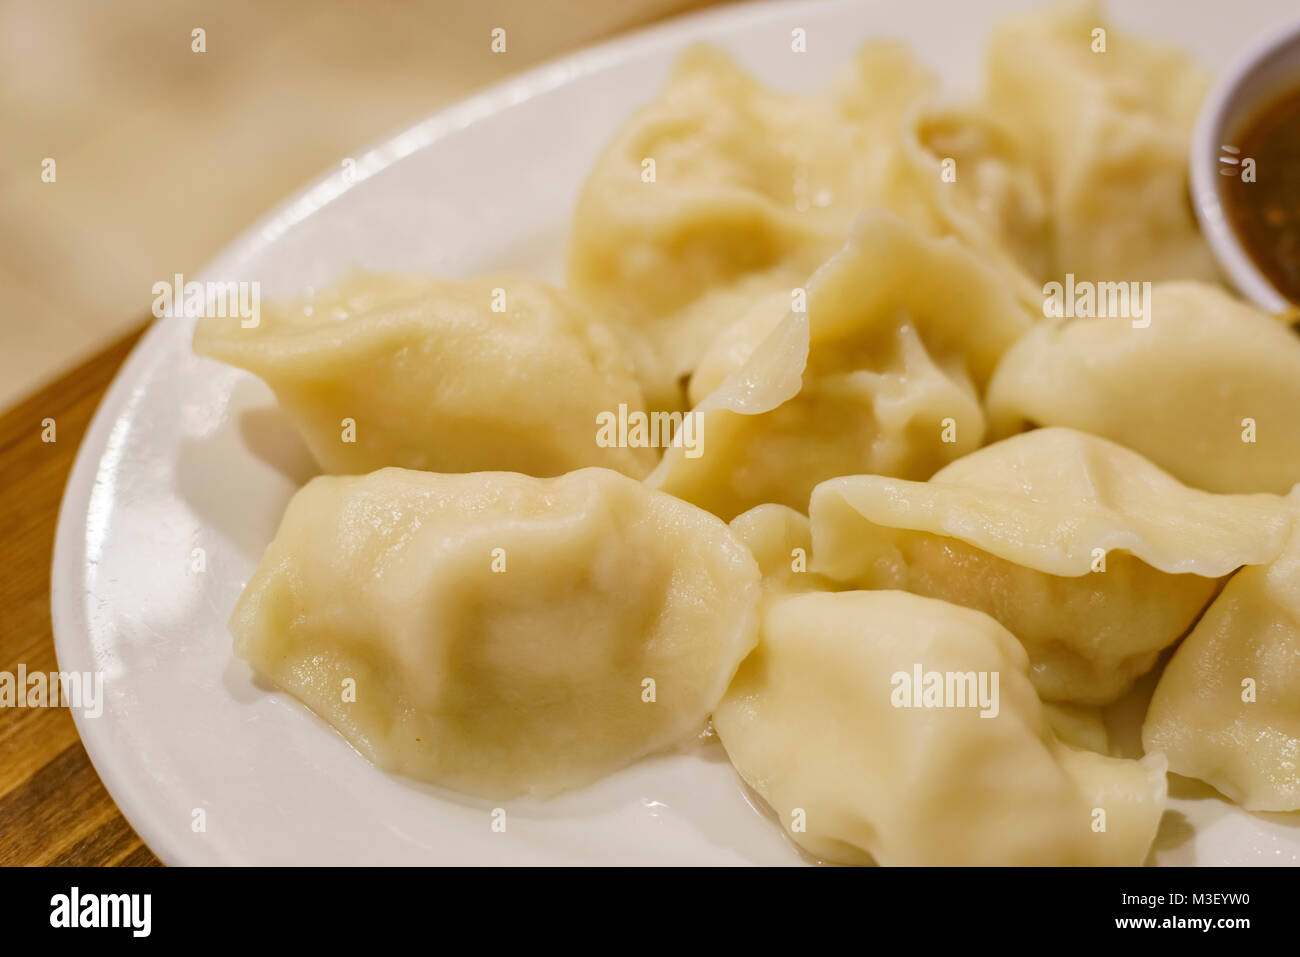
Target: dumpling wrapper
(496,683)
(1019,530)
(1186,391)
(752,190)
(433,378)
(1109,132)
(811,725)
(780,540)
(1243,739)
(981,185)
(881,374)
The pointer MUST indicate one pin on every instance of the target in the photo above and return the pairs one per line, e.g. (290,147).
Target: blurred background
(162,155)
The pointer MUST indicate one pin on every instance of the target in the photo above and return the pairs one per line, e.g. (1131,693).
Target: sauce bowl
(1266,71)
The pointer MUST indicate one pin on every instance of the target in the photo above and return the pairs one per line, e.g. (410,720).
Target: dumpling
(780,540)
(861,763)
(1208,390)
(1227,708)
(1089,554)
(1109,119)
(983,187)
(450,376)
(721,191)
(496,633)
(881,373)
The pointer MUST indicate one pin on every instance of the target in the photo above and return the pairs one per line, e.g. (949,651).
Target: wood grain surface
(53,808)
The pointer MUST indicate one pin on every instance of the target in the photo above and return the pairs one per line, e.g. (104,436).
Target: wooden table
(53,808)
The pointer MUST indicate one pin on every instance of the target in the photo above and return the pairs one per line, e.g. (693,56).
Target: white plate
(186,453)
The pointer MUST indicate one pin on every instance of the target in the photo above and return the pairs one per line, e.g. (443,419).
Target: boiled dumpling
(721,191)
(1108,119)
(1227,708)
(451,376)
(983,188)
(1209,390)
(780,540)
(821,724)
(881,373)
(1089,554)
(496,633)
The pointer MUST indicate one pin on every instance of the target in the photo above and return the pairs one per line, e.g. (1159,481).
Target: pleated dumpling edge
(1049,498)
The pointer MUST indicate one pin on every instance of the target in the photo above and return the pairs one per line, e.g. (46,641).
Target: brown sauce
(1266,213)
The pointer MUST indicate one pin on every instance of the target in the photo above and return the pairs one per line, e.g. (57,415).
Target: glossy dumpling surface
(1109,131)
(881,373)
(812,723)
(1227,708)
(501,634)
(1089,554)
(450,376)
(1209,390)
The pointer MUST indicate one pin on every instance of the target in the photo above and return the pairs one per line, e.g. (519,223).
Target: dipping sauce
(1266,213)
